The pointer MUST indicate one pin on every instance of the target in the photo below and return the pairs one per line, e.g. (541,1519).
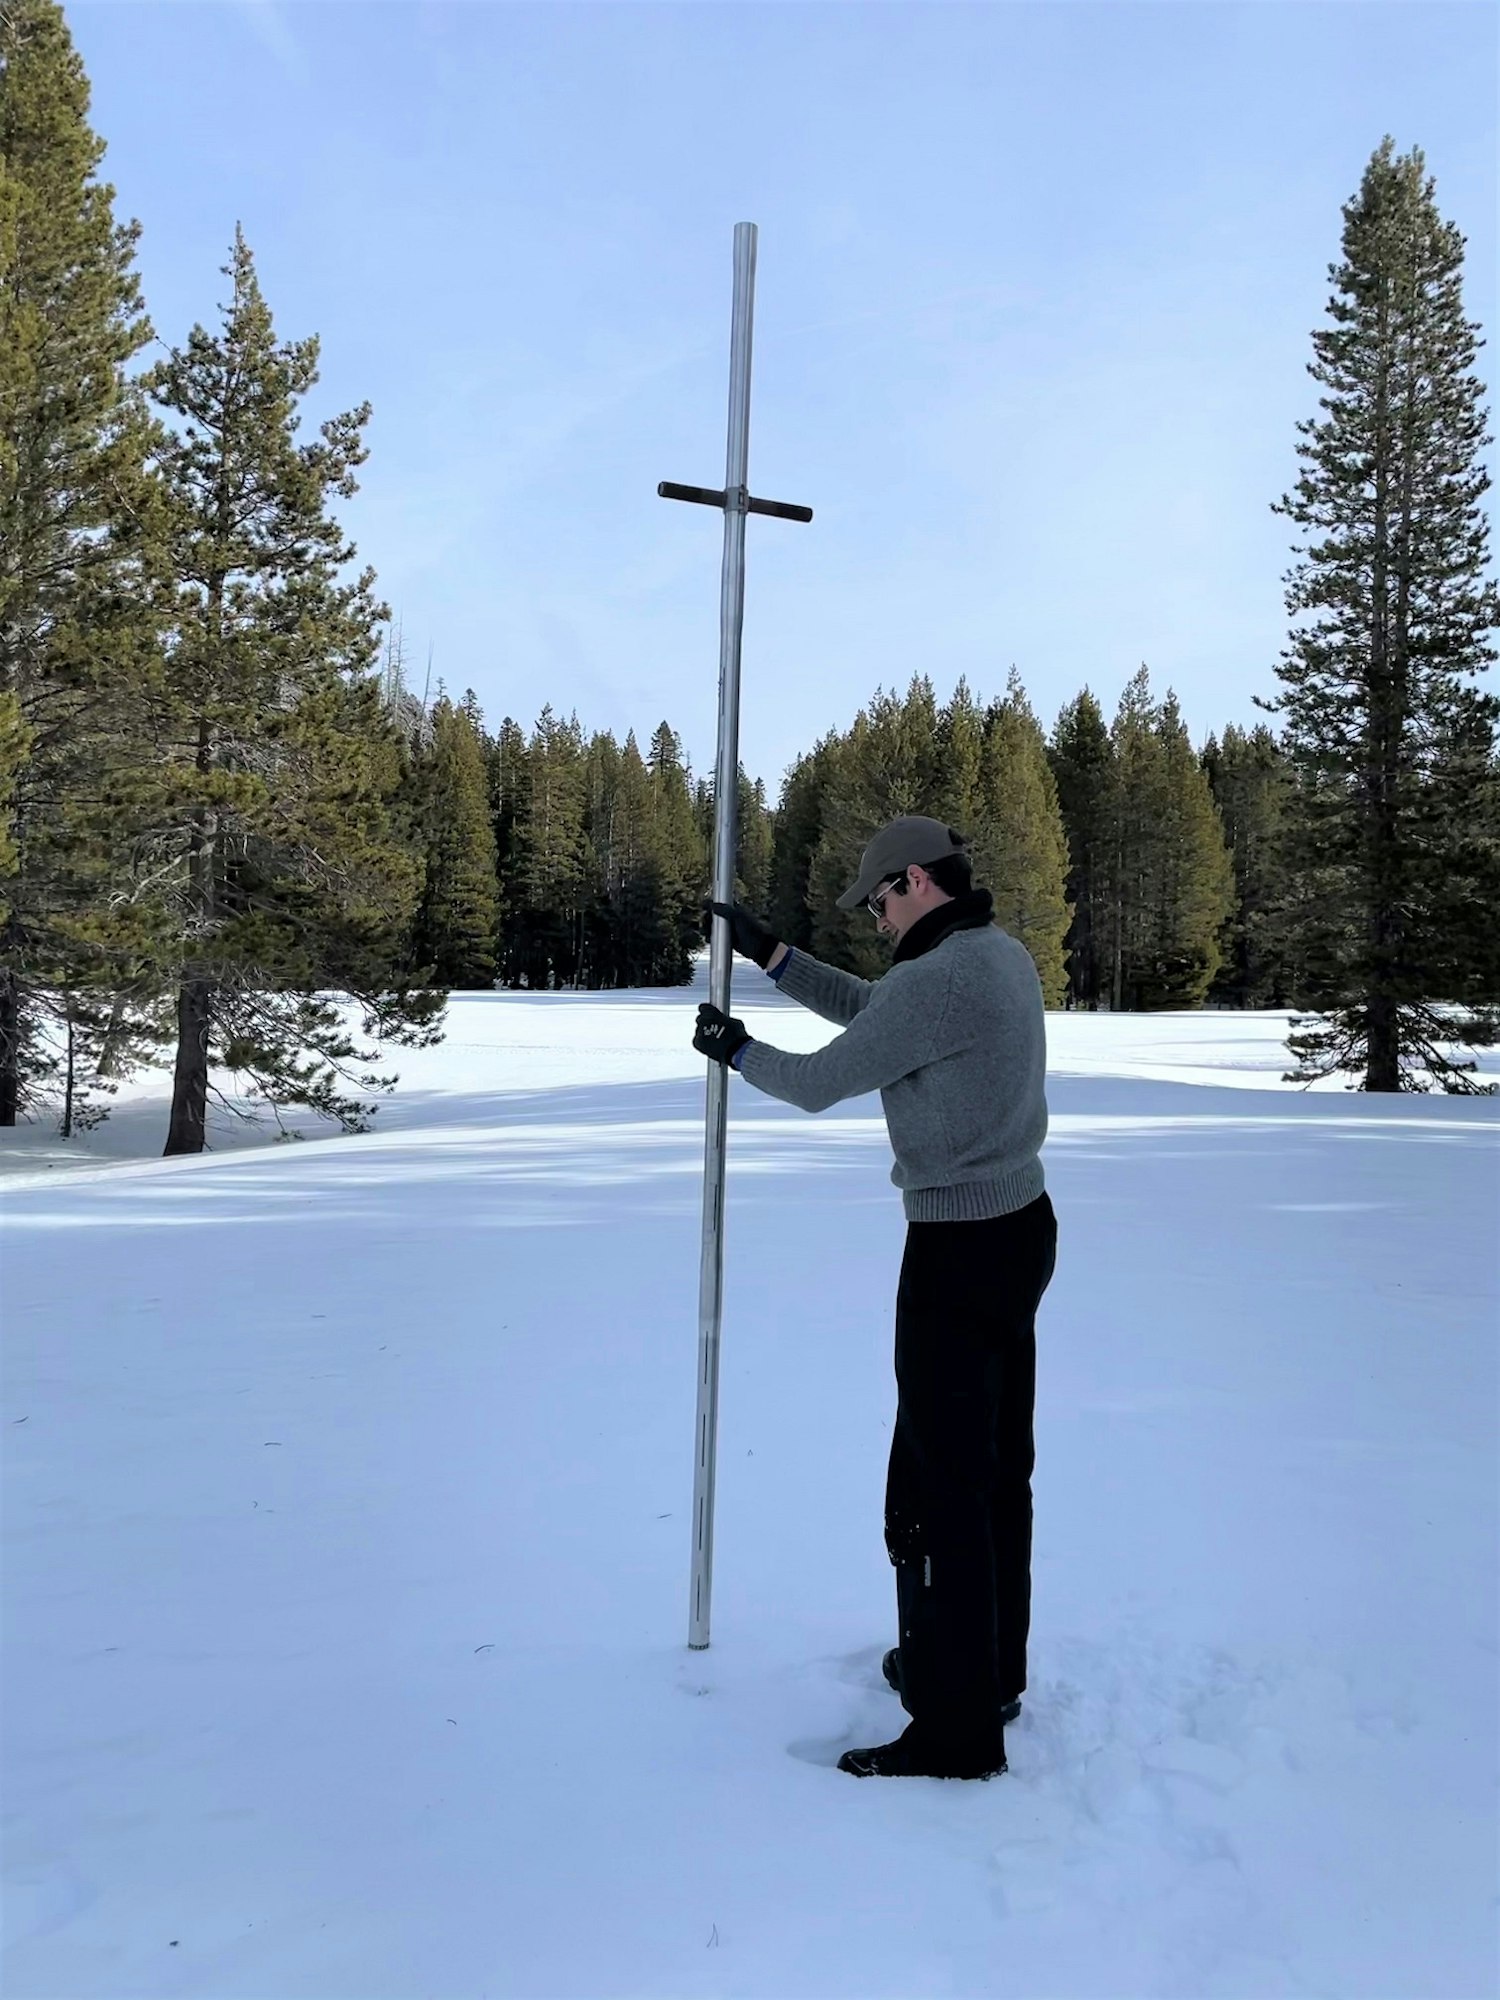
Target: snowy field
(346,1544)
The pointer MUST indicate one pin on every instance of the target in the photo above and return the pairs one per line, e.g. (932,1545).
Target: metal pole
(726,803)
(737,502)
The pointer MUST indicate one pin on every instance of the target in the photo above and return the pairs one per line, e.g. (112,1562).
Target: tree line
(228,830)
(559,860)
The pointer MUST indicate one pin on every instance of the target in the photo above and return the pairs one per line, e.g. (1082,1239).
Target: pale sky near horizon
(1033,312)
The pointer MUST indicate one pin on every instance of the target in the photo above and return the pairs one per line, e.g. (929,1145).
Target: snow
(346,1543)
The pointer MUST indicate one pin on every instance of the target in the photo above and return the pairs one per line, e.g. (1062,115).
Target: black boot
(890,1666)
(914,1755)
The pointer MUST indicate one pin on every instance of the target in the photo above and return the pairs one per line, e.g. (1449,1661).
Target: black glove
(751,938)
(718,1035)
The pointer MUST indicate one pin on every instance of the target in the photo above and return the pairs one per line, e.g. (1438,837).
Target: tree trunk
(110,1062)
(10,1049)
(190,1078)
(195,995)
(1382,1063)
(67,1117)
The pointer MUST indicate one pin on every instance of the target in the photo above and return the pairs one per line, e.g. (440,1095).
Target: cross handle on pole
(734,500)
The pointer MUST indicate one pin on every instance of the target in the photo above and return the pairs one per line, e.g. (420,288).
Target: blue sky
(1035,291)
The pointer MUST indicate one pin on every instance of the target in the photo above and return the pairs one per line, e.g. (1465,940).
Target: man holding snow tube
(953,1036)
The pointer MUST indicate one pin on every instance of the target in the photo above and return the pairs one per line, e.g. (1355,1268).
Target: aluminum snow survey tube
(735,500)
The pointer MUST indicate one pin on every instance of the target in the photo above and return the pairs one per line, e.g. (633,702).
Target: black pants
(958,1493)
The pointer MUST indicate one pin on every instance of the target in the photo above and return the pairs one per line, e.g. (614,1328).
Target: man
(953,1036)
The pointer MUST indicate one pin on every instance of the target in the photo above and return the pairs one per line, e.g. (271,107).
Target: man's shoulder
(983,948)
(981,938)
(910,976)
(992,951)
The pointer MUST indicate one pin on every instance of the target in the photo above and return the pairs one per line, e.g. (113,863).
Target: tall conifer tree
(456,919)
(15,740)
(506,764)
(1021,845)
(1250,781)
(1170,877)
(1390,735)
(796,833)
(75,505)
(680,847)
(1139,804)
(888,764)
(753,866)
(1083,766)
(645,929)
(754,837)
(962,796)
(267,821)
(1195,886)
(703,813)
(551,874)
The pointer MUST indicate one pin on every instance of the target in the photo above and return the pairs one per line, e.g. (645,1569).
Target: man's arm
(836,996)
(909,1028)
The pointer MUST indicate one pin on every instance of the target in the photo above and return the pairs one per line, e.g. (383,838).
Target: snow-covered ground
(346,1544)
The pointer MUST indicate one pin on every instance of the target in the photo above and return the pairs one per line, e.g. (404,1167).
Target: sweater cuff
(777,974)
(738,1056)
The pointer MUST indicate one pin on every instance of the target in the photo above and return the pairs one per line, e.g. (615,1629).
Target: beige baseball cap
(913,841)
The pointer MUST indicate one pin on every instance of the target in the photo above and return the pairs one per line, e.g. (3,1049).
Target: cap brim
(852,898)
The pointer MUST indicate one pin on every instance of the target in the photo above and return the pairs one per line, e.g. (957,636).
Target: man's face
(899,912)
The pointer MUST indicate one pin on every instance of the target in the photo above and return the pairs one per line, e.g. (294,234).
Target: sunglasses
(875,903)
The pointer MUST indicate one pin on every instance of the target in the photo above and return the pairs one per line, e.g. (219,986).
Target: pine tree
(679,845)
(408,712)
(1170,877)
(506,768)
(1250,781)
(755,840)
(796,830)
(267,823)
(597,959)
(647,952)
(703,814)
(551,870)
(1467,957)
(1195,890)
(76,507)
(1391,739)
(754,836)
(889,763)
(962,797)
(1020,844)
(1133,867)
(15,741)
(455,928)
(1083,766)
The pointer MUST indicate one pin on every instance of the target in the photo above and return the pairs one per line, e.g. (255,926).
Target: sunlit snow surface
(346,1544)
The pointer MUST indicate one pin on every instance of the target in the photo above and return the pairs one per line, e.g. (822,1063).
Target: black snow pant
(958,1492)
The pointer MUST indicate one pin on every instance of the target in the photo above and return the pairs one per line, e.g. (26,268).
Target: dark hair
(953,873)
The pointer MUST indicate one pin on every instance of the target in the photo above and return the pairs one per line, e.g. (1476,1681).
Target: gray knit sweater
(955,1042)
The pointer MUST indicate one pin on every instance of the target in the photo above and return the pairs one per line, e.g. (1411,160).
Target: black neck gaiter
(968,912)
